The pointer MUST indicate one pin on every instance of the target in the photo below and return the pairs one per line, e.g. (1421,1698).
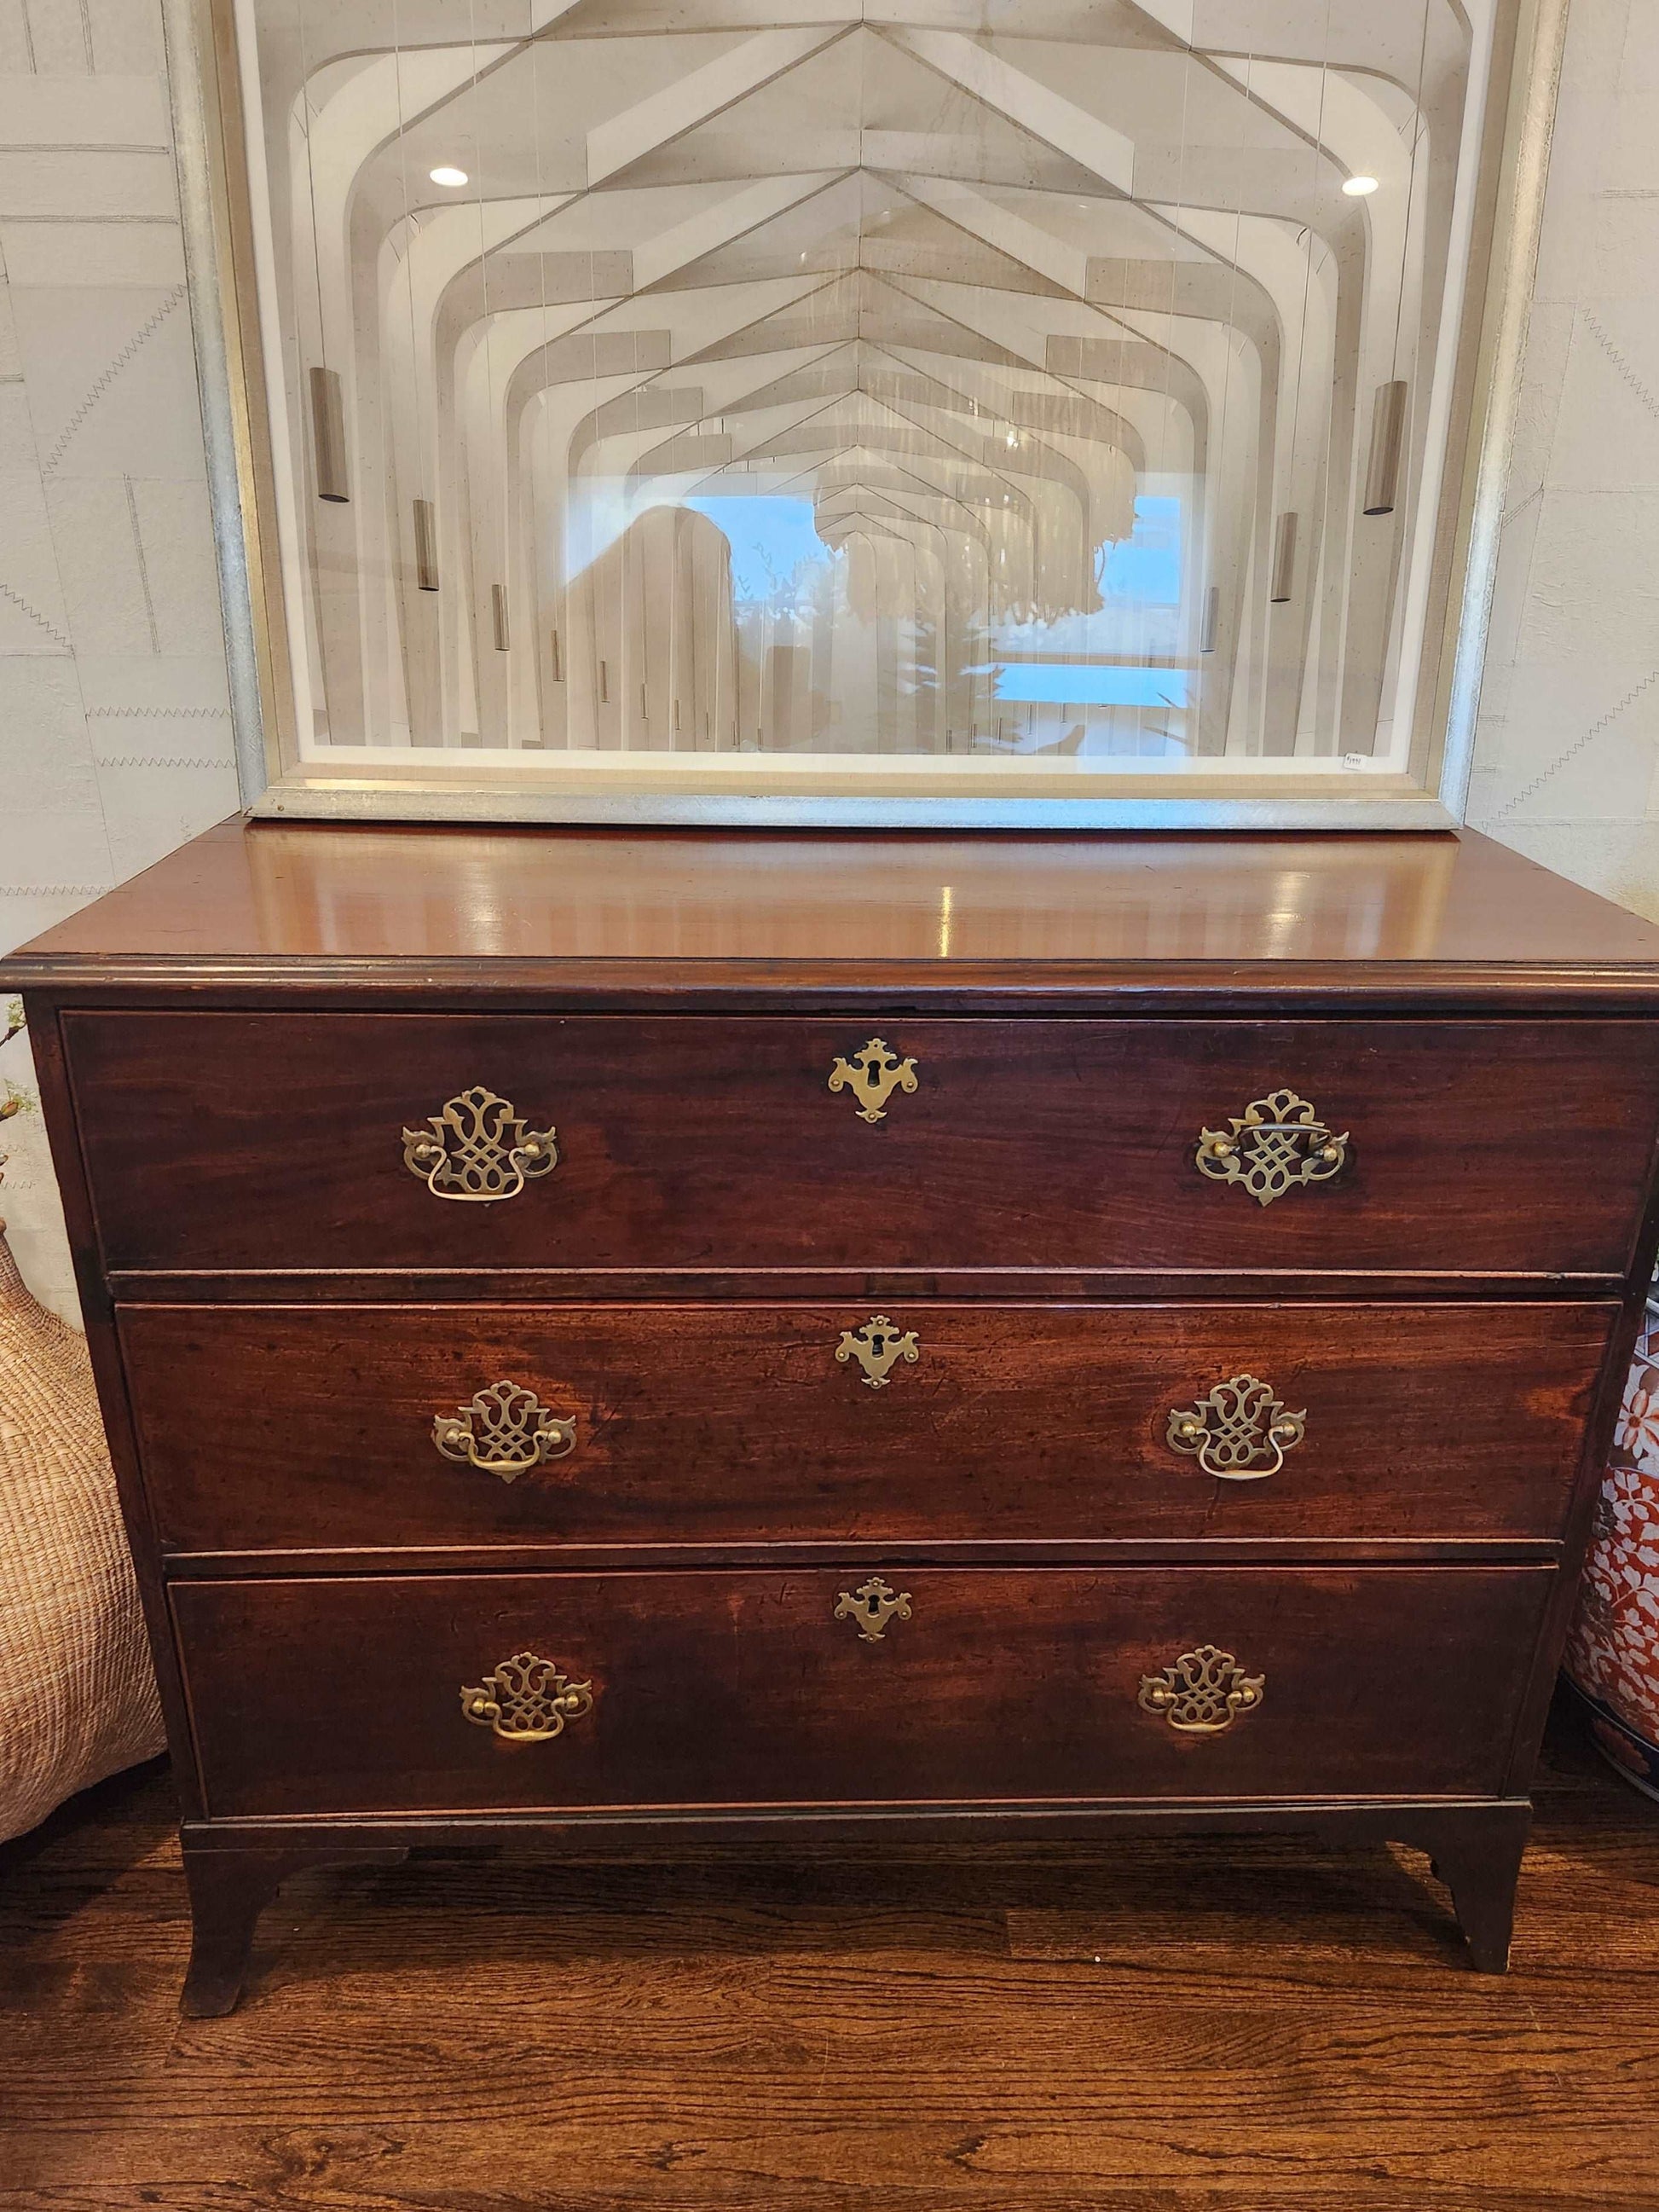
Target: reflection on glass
(1001,382)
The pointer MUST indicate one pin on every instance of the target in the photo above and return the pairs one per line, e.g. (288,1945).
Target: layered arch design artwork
(1021,381)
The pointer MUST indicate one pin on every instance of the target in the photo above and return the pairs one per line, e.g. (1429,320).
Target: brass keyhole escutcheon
(872,1605)
(872,1074)
(878,1346)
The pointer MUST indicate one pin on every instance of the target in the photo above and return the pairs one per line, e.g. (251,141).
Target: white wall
(1567,764)
(115,738)
(114,727)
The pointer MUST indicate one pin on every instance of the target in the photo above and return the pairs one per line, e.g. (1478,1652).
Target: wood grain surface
(311,1428)
(230,1050)
(232,1141)
(495,898)
(715,1687)
(1218,2025)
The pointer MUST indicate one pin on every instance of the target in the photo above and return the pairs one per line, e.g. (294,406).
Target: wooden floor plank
(1216,2025)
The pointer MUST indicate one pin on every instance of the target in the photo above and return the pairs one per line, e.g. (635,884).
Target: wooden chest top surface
(605,913)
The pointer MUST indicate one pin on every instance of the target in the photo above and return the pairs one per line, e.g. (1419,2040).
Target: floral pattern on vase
(1612,1652)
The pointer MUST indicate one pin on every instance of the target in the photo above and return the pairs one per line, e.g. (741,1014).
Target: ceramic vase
(1612,1652)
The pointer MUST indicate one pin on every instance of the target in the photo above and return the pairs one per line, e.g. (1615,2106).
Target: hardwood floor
(1226,2025)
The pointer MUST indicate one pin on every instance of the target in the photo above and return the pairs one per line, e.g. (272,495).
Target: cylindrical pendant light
(426,546)
(1211,627)
(328,437)
(1387,447)
(1284,582)
(498,611)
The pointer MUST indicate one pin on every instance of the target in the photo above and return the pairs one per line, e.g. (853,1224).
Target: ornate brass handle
(478,1148)
(872,1605)
(527,1699)
(1278,1144)
(1238,1432)
(1203,1692)
(506,1430)
(878,1345)
(872,1075)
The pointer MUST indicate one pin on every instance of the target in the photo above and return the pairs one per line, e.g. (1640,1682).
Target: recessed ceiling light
(448,176)
(1360,188)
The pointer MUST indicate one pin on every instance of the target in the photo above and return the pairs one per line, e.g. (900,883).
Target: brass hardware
(500,620)
(872,1605)
(478,1148)
(878,1346)
(1239,1431)
(505,1430)
(1278,1144)
(527,1699)
(872,1074)
(1203,1692)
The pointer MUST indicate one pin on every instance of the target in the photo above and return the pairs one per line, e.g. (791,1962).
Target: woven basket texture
(77,1693)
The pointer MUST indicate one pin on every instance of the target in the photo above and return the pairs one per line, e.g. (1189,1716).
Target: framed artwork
(934,413)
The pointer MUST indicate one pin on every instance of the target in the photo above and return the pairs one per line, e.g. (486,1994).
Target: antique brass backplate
(1278,1144)
(878,1346)
(872,1075)
(506,1430)
(478,1148)
(1203,1692)
(527,1699)
(872,1605)
(1239,1431)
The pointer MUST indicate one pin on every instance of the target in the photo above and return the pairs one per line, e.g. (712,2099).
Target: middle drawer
(375,1428)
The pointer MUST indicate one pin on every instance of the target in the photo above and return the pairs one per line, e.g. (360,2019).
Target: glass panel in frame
(955,403)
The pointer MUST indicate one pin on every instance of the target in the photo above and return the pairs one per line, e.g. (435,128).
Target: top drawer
(277,1141)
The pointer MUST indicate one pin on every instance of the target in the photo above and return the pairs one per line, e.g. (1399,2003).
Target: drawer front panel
(719,1688)
(271,1142)
(301,1428)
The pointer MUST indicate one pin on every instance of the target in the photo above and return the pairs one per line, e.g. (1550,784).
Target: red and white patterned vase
(1612,1652)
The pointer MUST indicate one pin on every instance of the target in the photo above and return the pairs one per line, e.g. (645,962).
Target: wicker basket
(77,1694)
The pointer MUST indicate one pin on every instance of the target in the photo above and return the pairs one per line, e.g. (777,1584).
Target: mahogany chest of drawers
(716,1337)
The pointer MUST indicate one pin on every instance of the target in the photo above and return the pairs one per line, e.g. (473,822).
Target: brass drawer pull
(872,1075)
(1203,1692)
(478,1148)
(1238,1432)
(878,1346)
(506,1430)
(1278,1144)
(527,1699)
(872,1605)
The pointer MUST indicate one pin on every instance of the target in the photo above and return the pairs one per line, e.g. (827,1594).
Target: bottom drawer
(715,1688)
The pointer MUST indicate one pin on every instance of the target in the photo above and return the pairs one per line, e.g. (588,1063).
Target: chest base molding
(235,1867)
